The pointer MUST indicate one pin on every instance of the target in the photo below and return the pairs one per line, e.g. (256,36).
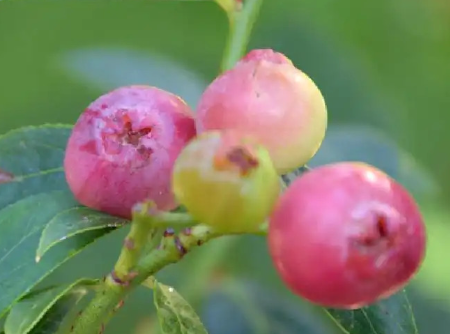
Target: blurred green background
(383,67)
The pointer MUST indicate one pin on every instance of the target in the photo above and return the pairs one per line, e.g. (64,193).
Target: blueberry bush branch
(146,229)
(173,247)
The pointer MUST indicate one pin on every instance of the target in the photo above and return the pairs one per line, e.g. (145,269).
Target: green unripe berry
(226,180)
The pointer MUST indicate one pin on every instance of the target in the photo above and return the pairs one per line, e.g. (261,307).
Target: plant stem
(105,301)
(131,250)
(241,25)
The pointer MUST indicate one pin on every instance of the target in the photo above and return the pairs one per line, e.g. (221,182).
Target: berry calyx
(346,235)
(226,180)
(266,96)
(123,147)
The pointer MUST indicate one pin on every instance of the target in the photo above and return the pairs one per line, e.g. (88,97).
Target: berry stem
(168,219)
(242,20)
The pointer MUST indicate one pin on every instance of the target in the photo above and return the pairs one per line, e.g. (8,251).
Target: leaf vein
(26,236)
(21,178)
(369,321)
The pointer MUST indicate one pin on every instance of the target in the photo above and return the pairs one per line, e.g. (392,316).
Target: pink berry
(266,96)
(346,235)
(123,147)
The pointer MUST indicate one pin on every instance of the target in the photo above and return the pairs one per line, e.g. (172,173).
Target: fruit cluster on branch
(342,235)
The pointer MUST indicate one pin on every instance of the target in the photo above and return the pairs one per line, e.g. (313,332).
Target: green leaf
(29,311)
(60,316)
(247,308)
(21,226)
(175,315)
(390,316)
(33,158)
(74,221)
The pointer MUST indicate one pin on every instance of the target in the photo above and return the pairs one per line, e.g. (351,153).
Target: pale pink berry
(266,96)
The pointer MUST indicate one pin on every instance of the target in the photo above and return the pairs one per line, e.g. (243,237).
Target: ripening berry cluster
(343,235)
